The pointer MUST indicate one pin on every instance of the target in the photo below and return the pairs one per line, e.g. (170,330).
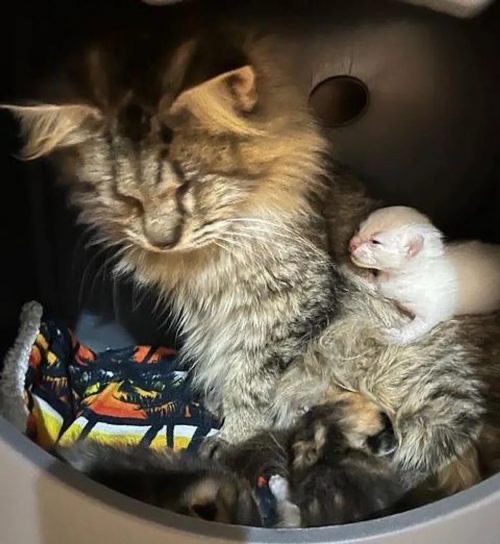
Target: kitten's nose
(354,244)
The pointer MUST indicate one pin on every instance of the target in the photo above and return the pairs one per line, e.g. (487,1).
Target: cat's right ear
(46,127)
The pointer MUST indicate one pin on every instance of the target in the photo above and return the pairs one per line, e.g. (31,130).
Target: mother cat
(214,192)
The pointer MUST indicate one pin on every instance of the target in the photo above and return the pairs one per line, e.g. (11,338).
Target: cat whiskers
(254,228)
(122,245)
(103,247)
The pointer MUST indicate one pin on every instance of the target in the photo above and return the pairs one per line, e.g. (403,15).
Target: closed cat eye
(166,134)
(376,242)
(133,203)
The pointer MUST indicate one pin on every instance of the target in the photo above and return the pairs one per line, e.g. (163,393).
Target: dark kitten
(178,482)
(337,465)
(334,466)
(337,475)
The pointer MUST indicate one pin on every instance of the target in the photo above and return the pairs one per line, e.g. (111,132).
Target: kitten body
(334,467)
(337,473)
(430,280)
(175,481)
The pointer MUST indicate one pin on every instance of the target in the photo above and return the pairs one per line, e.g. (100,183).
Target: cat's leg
(246,400)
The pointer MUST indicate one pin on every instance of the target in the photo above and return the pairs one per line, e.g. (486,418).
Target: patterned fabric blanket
(58,391)
(134,395)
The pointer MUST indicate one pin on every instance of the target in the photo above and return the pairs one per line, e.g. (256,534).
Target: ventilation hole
(339,101)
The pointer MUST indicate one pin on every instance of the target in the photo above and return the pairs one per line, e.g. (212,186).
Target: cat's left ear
(236,89)
(414,245)
(46,127)
(241,85)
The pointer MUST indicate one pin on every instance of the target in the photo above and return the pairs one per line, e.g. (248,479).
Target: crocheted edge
(15,367)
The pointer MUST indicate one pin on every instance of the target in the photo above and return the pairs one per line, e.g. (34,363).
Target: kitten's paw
(384,443)
(398,336)
(308,442)
(214,447)
(279,487)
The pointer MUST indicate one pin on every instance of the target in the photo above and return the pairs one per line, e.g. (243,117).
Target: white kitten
(429,279)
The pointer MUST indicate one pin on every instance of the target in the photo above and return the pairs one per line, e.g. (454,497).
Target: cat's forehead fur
(392,219)
(178,155)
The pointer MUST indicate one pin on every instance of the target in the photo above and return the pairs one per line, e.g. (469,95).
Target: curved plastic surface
(45,502)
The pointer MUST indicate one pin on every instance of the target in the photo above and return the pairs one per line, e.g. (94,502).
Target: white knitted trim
(12,395)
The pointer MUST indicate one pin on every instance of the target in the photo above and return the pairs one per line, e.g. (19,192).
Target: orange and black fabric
(134,396)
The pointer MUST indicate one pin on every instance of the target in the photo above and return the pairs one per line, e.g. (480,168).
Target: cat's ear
(242,88)
(413,245)
(46,127)
(234,90)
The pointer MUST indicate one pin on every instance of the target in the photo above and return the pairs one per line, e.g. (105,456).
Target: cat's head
(168,167)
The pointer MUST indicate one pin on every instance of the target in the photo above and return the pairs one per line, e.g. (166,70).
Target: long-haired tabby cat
(212,191)
(207,194)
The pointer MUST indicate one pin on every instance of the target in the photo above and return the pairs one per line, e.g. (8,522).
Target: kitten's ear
(414,245)
(46,127)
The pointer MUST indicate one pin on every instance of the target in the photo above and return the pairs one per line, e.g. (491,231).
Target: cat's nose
(134,122)
(160,236)
(354,244)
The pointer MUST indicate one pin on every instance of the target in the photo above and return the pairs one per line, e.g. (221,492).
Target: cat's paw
(279,487)
(308,442)
(214,447)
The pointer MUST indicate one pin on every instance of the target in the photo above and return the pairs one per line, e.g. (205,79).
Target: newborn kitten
(428,279)
(175,481)
(333,466)
(207,192)
(338,475)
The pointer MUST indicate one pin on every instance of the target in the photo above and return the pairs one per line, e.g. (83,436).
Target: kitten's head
(390,237)
(164,164)
(331,430)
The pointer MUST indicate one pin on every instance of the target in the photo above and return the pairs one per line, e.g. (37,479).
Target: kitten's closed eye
(375,242)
